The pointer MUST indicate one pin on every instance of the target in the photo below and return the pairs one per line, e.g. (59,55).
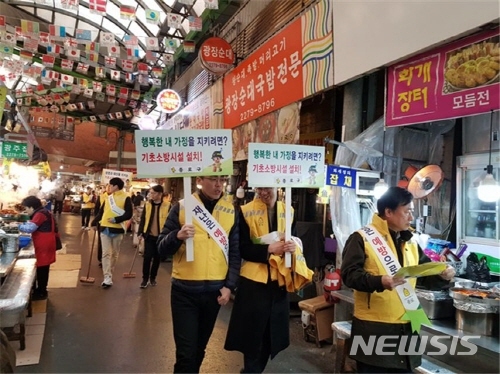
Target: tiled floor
(125,329)
(35,328)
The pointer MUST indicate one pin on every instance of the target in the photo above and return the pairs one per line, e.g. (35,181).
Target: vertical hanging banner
(295,63)
(280,165)
(183,153)
(457,80)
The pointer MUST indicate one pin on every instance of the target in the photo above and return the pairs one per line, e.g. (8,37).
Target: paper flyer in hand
(423,270)
(270,238)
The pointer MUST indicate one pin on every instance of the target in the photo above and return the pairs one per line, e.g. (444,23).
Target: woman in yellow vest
(201,286)
(154,216)
(378,309)
(114,213)
(87,206)
(261,306)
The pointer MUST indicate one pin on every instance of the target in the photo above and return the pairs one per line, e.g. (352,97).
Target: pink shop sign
(458,80)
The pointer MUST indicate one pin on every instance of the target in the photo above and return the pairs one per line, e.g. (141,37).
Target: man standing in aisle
(154,216)
(378,297)
(87,206)
(112,218)
(58,200)
(201,286)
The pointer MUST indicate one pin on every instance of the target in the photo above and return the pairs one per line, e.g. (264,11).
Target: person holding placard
(200,287)
(113,215)
(261,306)
(385,304)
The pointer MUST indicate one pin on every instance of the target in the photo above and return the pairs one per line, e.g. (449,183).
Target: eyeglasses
(221,180)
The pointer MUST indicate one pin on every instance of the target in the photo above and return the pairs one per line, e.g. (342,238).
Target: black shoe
(144,284)
(152,282)
(39,296)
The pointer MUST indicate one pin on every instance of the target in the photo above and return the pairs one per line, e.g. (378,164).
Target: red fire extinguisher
(332,282)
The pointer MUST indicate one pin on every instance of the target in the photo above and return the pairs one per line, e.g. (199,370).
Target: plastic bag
(477,269)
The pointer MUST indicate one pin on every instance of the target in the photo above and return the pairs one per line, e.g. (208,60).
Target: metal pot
(477,323)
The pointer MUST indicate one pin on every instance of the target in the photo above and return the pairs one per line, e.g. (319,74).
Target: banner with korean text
(290,165)
(295,63)
(108,174)
(458,80)
(341,176)
(183,153)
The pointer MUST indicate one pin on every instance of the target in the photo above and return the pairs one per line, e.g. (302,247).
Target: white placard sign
(107,174)
(183,153)
(286,165)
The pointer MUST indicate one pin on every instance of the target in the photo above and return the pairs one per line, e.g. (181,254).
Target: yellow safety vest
(383,306)
(87,201)
(164,208)
(209,260)
(255,214)
(119,196)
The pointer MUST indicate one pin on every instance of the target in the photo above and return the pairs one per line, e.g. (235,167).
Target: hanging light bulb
(381,186)
(489,190)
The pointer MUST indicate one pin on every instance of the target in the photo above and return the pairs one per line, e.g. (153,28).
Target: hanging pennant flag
(168,59)
(67,79)
(81,34)
(26,55)
(110,62)
(152,44)
(157,72)
(123,93)
(75,89)
(128,65)
(73,54)
(110,116)
(107,39)
(70,43)
(174,20)
(57,32)
(135,95)
(82,68)
(92,47)
(29,27)
(189,46)
(8,38)
(156,82)
(100,96)
(98,6)
(151,56)
(30,44)
(43,38)
(100,72)
(132,104)
(152,16)
(212,4)
(3,25)
(119,114)
(88,92)
(93,119)
(93,58)
(142,68)
(143,79)
(115,75)
(83,83)
(131,40)
(195,23)
(114,51)
(66,64)
(81,106)
(129,78)
(127,12)
(54,49)
(127,113)
(111,99)
(6,49)
(110,90)
(48,61)
(97,86)
(133,53)
(69,4)
(170,45)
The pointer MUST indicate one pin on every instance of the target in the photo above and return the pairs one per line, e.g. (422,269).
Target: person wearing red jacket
(43,230)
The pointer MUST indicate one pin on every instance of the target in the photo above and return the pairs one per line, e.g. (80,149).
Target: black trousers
(86,217)
(193,317)
(256,363)
(99,244)
(58,206)
(42,279)
(151,258)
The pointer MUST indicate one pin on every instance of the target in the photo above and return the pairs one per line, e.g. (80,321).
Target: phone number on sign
(249,113)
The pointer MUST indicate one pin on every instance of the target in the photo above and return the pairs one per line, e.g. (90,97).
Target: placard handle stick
(288,223)
(188,209)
